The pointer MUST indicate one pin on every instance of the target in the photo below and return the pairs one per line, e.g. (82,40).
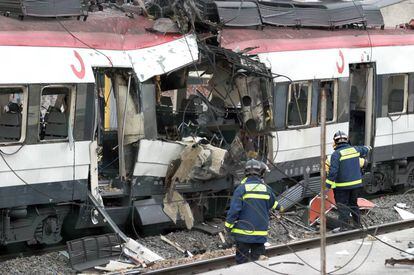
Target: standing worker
(248,216)
(345,177)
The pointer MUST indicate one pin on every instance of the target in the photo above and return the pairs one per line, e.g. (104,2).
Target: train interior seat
(10,126)
(56,125)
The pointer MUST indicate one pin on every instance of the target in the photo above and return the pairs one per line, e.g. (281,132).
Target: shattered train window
(11,109)
(298,108)
(331,94)
(54,113)
(394,94)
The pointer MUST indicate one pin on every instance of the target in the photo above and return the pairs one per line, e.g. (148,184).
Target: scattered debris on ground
(208,244)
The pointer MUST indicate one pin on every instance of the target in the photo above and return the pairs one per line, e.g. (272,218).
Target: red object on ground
(365,204)
(315,206)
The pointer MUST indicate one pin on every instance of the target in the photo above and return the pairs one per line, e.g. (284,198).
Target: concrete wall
(398,13)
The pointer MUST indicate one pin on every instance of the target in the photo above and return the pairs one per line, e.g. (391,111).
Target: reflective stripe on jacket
(248,216)
(345,170)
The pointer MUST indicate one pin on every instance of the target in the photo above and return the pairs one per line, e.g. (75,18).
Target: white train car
(52,97)
(369,76)
(94,112)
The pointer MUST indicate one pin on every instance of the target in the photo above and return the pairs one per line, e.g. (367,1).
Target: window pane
(54,113)
(11,106)
(330,99)
(393,100)
(298,104)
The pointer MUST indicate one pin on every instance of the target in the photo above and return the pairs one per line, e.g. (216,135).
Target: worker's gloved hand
(229,239)
(325,193)
(368,147)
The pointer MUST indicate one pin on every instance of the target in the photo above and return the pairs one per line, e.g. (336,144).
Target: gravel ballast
(205,246)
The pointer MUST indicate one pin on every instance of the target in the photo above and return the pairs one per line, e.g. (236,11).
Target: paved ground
(337,256)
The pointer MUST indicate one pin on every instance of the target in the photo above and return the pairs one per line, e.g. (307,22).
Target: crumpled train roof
(108,29)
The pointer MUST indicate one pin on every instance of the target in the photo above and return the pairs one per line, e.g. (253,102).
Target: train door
(120,125)
(361,122)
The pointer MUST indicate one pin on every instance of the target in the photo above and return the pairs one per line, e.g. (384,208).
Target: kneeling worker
(248,216)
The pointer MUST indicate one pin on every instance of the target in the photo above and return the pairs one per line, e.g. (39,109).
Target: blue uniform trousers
(346,202)
(248,252)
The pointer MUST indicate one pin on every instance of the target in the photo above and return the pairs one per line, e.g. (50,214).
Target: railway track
(195,238)
(226,261)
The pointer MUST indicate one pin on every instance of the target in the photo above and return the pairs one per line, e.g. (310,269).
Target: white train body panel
(28,65)
(44,163)
(303,143)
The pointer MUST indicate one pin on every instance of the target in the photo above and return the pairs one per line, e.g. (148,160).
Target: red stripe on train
(102,41)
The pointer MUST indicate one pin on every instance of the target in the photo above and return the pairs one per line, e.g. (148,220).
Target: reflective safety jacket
(362,163)
(344,170)
(248,216)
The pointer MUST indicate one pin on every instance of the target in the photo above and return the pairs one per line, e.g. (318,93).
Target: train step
(108,190)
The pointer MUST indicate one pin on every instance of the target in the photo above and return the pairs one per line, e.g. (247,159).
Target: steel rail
(226,261)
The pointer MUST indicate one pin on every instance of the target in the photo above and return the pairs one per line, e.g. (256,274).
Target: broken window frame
(70,109)
(405,98)
(24,114)
(335,101)
(309,104)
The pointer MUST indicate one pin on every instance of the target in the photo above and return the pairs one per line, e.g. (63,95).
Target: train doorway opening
(361,79)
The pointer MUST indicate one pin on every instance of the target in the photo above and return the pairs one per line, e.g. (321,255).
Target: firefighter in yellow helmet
(345,177)
(248,217)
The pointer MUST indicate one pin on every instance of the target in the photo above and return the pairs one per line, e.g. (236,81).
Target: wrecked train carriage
(103,107)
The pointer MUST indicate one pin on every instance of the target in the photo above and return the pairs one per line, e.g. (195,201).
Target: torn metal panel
(218,157)
(134,249)
(250,93)
(245,84)
(148,102)
(404,214)
(165,25)
(200,162)
(113,266)
(175,206)
(164,58)
(118,41)
(93,172)
(251,101)
(134,121)
(155,156)
(220,85)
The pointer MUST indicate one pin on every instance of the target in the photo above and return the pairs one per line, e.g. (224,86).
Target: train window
(298,106)
(331,87)
(55,108)
(12,114)
(395,94)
